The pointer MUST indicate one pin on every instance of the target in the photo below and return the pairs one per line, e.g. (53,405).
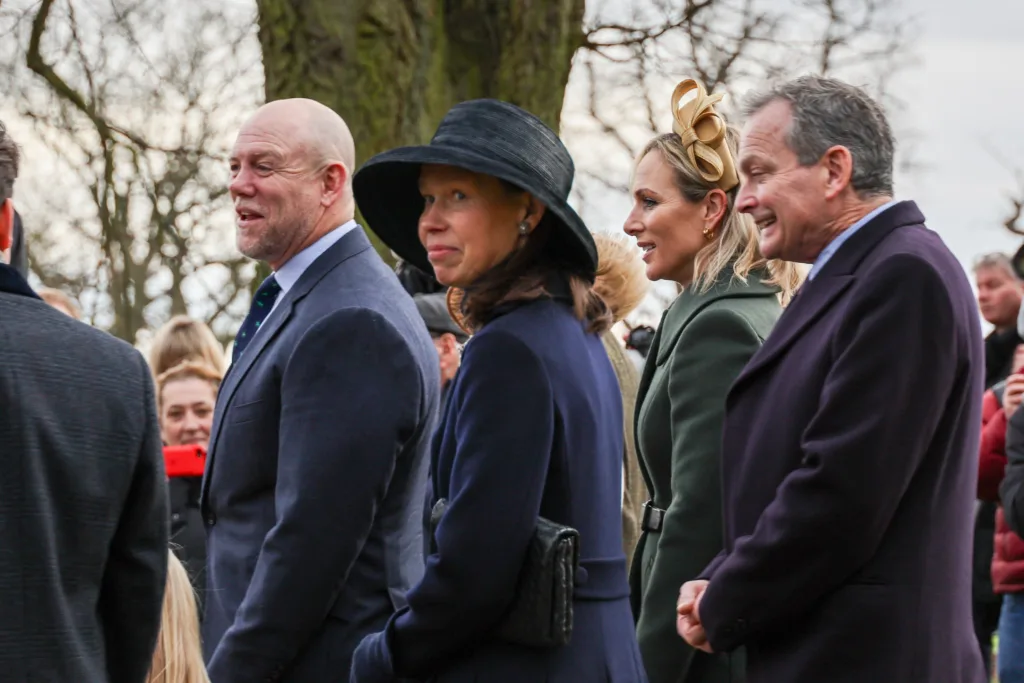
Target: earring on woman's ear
(524,229)
(709,234)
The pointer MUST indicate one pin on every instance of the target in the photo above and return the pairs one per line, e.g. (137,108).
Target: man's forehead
(770,122)
(261,143)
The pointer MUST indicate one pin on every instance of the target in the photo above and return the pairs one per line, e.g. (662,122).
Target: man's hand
(688,610)
(1013,394)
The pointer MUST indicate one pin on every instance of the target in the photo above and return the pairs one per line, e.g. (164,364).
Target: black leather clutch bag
(541,612)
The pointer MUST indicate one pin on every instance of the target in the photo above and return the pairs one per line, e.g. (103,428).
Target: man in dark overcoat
(851,438)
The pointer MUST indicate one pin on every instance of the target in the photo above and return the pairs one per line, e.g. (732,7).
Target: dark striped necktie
(261,306)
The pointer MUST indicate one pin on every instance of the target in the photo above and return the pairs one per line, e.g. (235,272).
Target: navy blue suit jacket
(533,426)
(849,468)
(313,493)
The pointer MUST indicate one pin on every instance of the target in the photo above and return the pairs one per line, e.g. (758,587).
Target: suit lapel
(836,276)
(352,244)
(673,321)
(815,298)
(641,393)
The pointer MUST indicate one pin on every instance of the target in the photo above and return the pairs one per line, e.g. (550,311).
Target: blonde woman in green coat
(684,187)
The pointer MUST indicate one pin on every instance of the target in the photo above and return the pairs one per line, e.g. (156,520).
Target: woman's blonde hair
(178,657)
(735,241)
(181,339)
(621,277)
(186,370)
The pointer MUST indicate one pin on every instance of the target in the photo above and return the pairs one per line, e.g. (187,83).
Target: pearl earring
(524,229)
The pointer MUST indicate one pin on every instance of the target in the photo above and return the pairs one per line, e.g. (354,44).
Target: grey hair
(827,112)
(9,157)
(997,260)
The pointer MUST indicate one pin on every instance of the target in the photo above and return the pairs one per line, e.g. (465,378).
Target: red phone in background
(184,461)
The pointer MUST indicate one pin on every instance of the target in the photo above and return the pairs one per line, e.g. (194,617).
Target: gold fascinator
(454,300)
(702,132)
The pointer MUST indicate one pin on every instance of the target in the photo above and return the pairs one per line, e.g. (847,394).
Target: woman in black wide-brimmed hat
(533,424)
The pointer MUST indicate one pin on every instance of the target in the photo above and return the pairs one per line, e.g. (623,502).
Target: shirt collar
(829,251)
(291,271)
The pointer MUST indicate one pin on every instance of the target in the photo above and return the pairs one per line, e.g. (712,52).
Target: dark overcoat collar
(12,282)
(817,295)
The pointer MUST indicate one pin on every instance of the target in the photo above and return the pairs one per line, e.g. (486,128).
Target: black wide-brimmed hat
(485,136)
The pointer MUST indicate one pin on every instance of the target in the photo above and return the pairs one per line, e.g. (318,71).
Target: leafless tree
(124,183)
(1015,215)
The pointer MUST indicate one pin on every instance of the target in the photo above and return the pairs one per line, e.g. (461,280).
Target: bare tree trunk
(392,68)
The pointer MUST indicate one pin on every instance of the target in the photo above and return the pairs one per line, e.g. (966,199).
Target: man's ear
(336,181)
(838,164)
(6,224)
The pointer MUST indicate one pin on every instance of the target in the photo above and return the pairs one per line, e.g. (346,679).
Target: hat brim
(387,192)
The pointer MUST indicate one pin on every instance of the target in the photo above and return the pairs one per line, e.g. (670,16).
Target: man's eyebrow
(749,160)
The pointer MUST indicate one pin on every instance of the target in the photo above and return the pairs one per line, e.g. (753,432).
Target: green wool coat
(703,342)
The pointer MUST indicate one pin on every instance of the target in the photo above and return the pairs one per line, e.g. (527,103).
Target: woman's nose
(632,226)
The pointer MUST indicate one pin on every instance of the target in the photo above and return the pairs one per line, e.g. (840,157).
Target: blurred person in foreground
(622,284)
(851,438)
(83,521)
(316,471)
(685,221)
(533,426)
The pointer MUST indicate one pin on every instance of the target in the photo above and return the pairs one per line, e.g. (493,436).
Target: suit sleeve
(708,356)
(131,597)
(504,435)
(1011,491)
(351,397)
(897,355)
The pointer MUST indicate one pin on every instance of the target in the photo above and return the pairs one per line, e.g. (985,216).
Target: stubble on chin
(260,248)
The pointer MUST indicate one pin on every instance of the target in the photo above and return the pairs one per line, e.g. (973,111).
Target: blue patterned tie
(261,306)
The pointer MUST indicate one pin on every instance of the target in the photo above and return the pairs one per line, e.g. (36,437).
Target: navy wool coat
(316,474)
(533,426)
(849,469)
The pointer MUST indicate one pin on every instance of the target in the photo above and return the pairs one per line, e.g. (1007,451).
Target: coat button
(211,519)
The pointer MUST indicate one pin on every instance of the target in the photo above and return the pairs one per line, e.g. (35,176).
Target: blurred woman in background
(186,396)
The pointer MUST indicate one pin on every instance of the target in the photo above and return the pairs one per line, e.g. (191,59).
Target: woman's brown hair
(527,275)
(181,339)
(186,370)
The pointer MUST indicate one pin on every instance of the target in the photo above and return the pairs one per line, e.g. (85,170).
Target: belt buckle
(652,518)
